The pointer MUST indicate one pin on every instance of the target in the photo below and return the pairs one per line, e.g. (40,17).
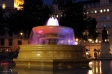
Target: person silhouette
(104,34)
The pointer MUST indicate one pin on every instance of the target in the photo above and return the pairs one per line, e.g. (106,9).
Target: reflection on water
(105,67)
(96,67)
(100,67)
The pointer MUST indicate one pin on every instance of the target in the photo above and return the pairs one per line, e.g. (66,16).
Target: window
(101,18)
(91,11)
(104,10)
(2,42)
(87,12)
(101,11)
(95,11)
(104,18)
(108,17)
(19,42)
(10,42)
(108,24)
(107,10)
(107,32)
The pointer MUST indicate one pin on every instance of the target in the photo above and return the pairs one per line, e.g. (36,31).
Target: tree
(90,25)
(34,15)
(3,25)
(73,16)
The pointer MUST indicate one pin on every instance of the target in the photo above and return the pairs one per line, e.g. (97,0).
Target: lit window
(101,11)
(107,10)
(84,13)
(56,15)
(91,11)
(96,40)
(87,12)
(107,40)
(95,11)
(99,41)
(3,5)
(104,10)
(107,32)
(76,39)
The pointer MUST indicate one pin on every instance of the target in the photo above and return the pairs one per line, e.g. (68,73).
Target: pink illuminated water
(52,22)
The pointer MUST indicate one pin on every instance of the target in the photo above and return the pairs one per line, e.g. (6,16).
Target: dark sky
(48,1)
(51,1)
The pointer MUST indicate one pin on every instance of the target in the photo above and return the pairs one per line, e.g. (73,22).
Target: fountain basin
(42,34)
(49,56)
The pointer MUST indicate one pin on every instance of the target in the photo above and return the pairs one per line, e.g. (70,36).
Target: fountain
(51,45)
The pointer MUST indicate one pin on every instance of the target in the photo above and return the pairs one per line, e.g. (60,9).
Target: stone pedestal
(48,57)
(105,47)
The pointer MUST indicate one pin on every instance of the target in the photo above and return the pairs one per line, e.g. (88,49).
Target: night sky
(51,1)
(48,1)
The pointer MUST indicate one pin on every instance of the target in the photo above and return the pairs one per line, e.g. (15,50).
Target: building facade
(102,12)
(12,42)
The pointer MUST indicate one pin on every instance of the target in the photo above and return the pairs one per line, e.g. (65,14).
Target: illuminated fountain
(52,34)
(50,46)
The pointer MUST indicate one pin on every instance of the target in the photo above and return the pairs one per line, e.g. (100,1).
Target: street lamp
(21,35)
(76,41)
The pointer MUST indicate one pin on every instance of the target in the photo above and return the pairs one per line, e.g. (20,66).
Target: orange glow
(18,4)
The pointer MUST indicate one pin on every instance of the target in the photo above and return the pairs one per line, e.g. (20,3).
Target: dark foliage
(73,16)
(3,26)
(35,14)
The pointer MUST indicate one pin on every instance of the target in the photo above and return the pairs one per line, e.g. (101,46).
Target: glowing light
(21,33)
(87,53)
(76,43)
(90,40)
(52,22)
(90,64)
(38,55)
(76,39)
(3,5)
(107,10)
(96,40)
(18,4)
(40,31)
(90,72)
